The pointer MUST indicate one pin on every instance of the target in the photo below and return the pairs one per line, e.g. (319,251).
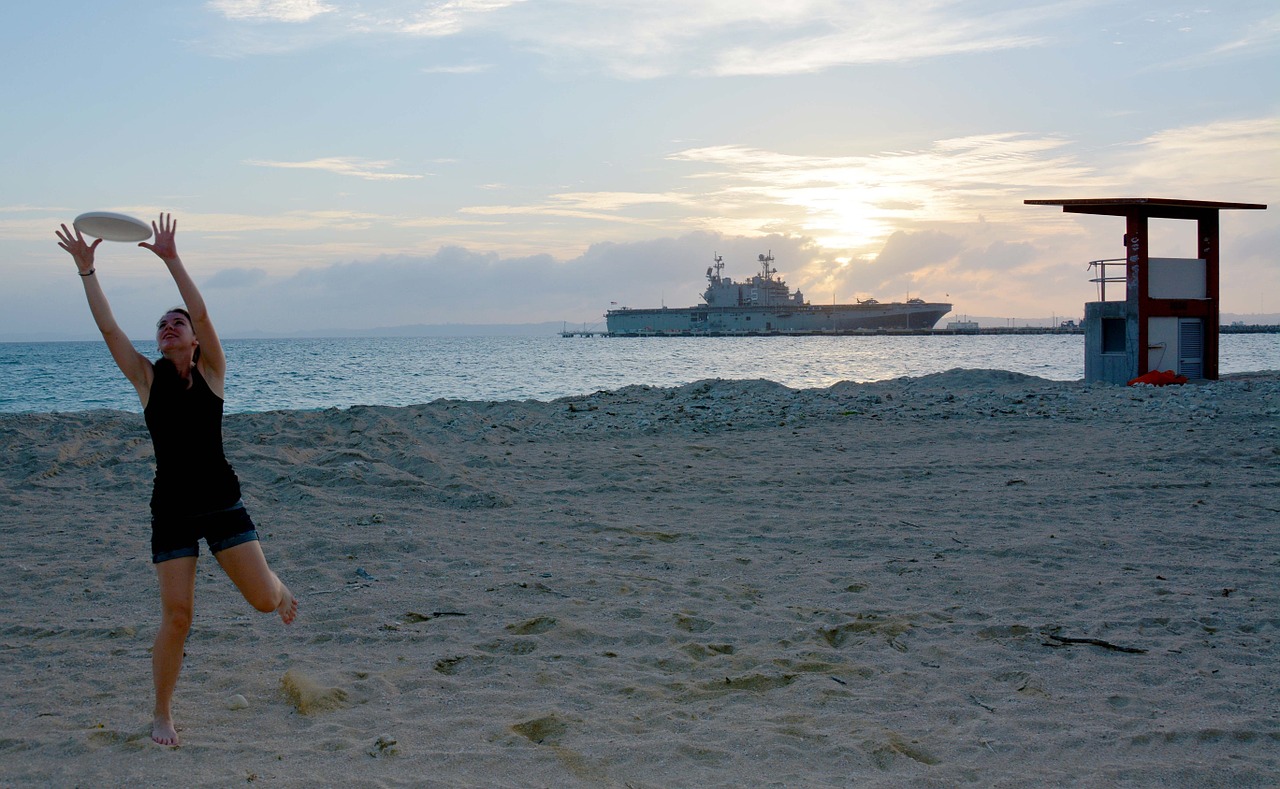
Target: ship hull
(806,319)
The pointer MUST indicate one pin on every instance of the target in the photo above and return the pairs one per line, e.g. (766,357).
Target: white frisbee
(112,227)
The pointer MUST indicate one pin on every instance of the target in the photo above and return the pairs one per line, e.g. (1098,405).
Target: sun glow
(854,203)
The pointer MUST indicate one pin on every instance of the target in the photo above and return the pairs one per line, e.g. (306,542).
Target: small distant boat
(764,304)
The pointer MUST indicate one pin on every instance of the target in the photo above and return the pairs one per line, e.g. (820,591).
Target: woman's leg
(245,565)
(177,598)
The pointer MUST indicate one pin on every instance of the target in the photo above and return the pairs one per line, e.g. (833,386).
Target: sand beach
(974,578)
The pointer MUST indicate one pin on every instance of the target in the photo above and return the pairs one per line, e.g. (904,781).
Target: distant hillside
(419,330)
(550,328)
(1226,318)
(429,330)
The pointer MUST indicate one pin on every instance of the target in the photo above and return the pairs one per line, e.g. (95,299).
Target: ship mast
(765,268)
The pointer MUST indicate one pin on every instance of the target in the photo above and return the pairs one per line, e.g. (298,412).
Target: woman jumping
(196,492)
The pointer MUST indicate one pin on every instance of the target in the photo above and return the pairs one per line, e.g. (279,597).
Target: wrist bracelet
(88,273)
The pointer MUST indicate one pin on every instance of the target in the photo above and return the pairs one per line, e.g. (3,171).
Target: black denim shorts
(176,536)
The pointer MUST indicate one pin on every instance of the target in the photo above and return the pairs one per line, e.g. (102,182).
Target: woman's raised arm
(213,362)
(136,367)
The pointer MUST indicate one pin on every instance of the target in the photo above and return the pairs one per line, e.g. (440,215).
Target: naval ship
(764,304)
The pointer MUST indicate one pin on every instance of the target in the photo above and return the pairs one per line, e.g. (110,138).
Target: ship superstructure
(763,304)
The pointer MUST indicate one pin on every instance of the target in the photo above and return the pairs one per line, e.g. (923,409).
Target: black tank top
(192,473)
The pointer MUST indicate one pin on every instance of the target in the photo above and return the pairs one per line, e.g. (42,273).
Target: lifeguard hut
(1168,319)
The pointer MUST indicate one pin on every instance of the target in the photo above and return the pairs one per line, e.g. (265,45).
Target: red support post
(1207,236)
(1136,251)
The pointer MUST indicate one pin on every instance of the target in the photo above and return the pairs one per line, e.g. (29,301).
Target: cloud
(1260,36)
(646,39)
(368,169)
(33,228)
(614,201)
(1000,257)
(907,252)
(284,222)
(271,10)
(641,39)
(610,207)
(855,202)
(448,18)
(463,69)
(459,285)
(1237,39)
(753,37)
(946,217)
(236,278)
(1228,160)
(883,34)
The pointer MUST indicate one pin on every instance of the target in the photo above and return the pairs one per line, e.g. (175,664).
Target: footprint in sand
(533,626)
(885,747)
(308,696)
(693,624)
(544,731)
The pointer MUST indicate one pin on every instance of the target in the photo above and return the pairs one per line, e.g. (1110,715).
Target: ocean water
(266,375)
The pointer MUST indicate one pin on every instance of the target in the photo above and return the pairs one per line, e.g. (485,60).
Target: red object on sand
(1159,378)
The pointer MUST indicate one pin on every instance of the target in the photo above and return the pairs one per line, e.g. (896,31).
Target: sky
(355,165)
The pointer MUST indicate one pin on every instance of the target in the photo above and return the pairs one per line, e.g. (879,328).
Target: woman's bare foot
(163,731)
(288,607)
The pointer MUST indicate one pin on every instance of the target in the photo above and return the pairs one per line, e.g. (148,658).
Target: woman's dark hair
(183,312)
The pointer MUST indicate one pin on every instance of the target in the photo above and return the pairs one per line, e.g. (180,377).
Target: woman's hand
(165,247)
(82,252)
